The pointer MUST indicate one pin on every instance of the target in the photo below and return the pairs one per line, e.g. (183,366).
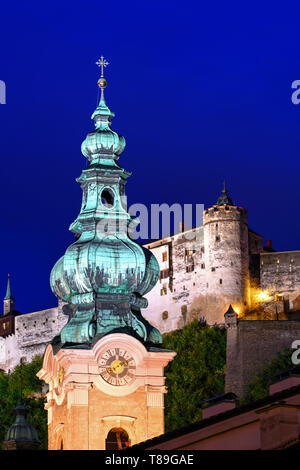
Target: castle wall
(33,332)
(207,270)
(280,276)
(250,345)
(180,296)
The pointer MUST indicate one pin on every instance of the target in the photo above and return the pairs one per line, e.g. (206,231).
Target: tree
(196,373)
(10,395)
(259,387)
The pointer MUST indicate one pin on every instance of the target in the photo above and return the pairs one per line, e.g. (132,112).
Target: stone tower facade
(226,258)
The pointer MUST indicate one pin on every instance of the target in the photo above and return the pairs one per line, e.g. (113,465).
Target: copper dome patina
(103,142)
(104,274)
(21,435)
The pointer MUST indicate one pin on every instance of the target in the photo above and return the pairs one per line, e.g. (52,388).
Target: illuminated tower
(226,257)
(105,369)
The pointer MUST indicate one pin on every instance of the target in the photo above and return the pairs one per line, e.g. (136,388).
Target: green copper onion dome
(104,274)
(21,435)
(103,141)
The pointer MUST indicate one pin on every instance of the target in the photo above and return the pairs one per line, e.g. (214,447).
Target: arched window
(117,439)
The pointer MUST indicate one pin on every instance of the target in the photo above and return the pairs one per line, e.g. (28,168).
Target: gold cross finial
(102,63)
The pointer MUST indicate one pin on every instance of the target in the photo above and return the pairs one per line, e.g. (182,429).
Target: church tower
(226,256)
(105,369)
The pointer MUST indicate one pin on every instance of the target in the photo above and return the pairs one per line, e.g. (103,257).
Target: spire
(103,144)
(8,301)
(8,290)
(104,274)
(224,198)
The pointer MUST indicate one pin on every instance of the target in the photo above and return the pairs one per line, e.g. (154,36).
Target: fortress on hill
(226,263)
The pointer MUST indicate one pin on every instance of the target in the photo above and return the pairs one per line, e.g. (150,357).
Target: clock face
(117,367)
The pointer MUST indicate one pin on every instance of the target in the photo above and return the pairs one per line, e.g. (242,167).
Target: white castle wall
(33,332)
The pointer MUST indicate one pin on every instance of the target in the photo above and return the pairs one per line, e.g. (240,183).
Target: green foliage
(10,387)
(259,387)
(196,373)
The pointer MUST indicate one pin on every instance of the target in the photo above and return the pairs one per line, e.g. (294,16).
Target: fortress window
(202,266)
(218,238)
(189,253)
(189,268)
(164,290)
(202,249)
(164,274)
(164,256)
(165,315)
(216,226)
(213,269)
(221,282)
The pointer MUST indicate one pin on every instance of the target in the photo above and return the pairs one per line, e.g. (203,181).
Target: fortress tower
(226,256)
(105,369)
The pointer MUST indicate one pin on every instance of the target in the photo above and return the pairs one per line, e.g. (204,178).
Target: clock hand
(115,368)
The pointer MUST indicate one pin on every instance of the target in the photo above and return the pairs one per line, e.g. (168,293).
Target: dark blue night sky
(201,92)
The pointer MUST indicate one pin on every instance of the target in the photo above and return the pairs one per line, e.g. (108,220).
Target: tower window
(213,269)
(165,315)
(203,266)
(221,281)
(107,198)
(218,238)
(164,256)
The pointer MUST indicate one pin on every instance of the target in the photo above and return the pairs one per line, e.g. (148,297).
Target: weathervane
(102,81)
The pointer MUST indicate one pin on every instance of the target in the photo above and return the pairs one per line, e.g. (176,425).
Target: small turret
(8,302)
(224,198)
(7,319)
(21,435)
(226,256)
